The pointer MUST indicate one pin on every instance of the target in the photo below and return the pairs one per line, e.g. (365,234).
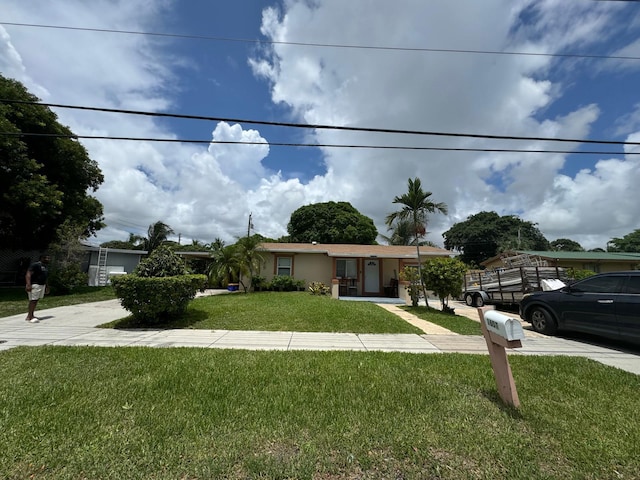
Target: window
(346,268)
(283,266)
(608,284)
(633,285)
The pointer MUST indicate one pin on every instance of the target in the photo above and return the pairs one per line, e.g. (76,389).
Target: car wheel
(468,299)
(542,322)
(479,301)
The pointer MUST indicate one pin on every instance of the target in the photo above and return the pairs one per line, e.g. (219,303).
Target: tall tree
(331,222)
(250,258)
(216,245)
(134,242)
(44,174)
(485,234)
(157,234)
(225,266)
(565,245)
(629,243)
(416,207)
(68,253)
(403,232)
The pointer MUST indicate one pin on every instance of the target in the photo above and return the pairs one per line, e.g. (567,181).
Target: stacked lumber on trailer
(523,260)
(519,279)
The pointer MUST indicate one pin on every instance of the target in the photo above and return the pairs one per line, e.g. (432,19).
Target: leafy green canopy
(416,205)
(629,243)
(566,245)
(445,277)
(331,222)
(44,180)
(486,234)
(161,263)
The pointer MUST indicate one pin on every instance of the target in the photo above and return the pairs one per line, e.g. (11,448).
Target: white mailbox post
(500,332)
(506,327)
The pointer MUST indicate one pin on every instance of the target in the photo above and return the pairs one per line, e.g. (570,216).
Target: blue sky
(208,191)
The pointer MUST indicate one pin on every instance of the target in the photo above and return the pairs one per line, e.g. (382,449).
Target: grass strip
(456,323)
(195,413)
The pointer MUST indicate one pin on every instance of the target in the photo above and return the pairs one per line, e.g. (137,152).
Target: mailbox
(504,326)
(501,332)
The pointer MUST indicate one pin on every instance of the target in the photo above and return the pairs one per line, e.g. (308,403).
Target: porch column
(403,291)
(335,288)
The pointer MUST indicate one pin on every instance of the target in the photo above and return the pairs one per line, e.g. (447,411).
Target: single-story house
(99,263)
(598,262)
(357,270)
(102,263)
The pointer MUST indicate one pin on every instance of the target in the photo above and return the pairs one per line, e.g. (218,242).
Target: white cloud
(629,122)
(207,193)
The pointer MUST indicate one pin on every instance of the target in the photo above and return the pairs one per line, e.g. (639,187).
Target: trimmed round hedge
(155,299)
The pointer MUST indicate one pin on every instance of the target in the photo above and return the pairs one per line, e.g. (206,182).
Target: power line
(319,126)
(325,45)
(315,145)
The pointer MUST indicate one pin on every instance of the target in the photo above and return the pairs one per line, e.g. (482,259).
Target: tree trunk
(424,288)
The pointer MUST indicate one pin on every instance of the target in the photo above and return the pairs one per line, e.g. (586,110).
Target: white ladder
(102,267)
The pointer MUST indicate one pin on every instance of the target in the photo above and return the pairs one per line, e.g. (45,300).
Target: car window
(598,285)
(633,285)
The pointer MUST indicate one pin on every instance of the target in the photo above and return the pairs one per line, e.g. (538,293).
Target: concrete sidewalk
(76,326)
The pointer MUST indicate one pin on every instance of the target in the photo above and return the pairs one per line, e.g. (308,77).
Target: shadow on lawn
(494,396)
(186,320)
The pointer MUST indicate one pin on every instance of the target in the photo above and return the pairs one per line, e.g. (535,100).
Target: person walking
(36,285)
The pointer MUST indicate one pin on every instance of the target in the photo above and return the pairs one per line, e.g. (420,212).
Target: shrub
(445,277)
(577,274)
(64,279)
(158,288)
(319,288)
(258,283)
(163,262)
(154,299)
(283,283)
(410,274)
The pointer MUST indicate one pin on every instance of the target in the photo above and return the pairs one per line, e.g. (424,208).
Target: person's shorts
(37,292)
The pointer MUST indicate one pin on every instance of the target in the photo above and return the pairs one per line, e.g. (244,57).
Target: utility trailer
(522,275)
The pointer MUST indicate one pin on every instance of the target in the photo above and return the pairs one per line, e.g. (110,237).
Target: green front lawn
(284,311)
(14,300)
(455,323)
(141,413)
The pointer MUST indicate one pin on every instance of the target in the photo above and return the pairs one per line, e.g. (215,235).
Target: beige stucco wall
(315,267)
(308,267)
(390,266)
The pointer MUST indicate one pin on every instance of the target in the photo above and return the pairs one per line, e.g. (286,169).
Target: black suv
(607,304)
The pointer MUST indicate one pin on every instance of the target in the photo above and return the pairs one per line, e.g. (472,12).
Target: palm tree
(216,245)
(251,260)
(225,266)
(402,233)
(135,240)
(156,235)
(416,206)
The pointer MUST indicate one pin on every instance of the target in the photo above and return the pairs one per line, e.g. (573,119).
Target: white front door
(371,276)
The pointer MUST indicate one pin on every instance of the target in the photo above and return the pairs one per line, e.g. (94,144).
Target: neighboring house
(357,270)
(14,265)
(101,263)
(115,261)
(598,262)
